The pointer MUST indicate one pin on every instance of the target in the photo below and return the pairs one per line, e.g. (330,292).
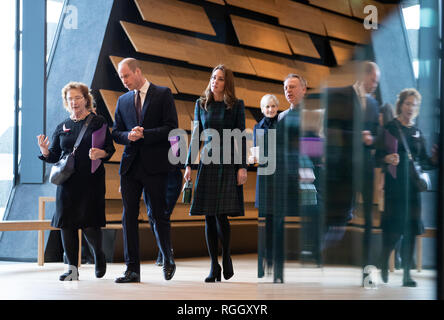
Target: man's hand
(135,134)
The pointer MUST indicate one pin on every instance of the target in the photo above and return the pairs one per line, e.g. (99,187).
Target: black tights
(389,241)
(70,241)
(217,227)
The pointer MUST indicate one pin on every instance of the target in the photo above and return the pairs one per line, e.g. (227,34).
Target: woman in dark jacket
(218,191)
(80,200)
(264,188)
(402,214)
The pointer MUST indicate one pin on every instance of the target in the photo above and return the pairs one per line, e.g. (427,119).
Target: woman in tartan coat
(218,191)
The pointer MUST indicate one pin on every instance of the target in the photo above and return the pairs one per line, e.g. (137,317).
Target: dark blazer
(343,143)
(266,189)
(159,117)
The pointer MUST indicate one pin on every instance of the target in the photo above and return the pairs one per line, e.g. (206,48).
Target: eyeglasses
(409,104)
(75,99)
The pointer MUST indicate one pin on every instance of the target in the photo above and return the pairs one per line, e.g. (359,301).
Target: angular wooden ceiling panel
(270,66)
(210,54)
(176,14)
(187,80)
(343,52)
(267,7)
(299,16)
(341,6)
(154,42)
(193,50)
(260,35)
(154,72)
(221,2)
(358,7)
(301,44)
(344,28)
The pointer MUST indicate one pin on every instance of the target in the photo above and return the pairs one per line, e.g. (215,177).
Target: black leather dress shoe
(129,276)
(168,270)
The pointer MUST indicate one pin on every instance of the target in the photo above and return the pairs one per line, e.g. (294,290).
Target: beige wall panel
(252,91)
(176,14)
(299,16)
(301,44)
(343,52)
(260,35)
(112,181)
(117,156)
(267,7)
(183,114)
(344,75)
(249,120)
(110,98)
(345,28)
(341,6)
(250,187)
(154,72)
(187,80)
(315,74)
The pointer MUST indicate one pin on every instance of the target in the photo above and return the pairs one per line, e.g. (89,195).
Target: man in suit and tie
(295,88)
(143,119)
(351,127)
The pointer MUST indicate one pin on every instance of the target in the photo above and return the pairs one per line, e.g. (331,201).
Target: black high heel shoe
(100,266)
(384,274)
(215,274)
(71,274)
(228,268)
(407,281)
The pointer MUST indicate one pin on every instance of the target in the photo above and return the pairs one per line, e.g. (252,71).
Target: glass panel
(362,221)
(7,53)
(53,12)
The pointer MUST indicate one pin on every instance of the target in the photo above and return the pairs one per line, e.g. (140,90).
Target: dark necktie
(138,106)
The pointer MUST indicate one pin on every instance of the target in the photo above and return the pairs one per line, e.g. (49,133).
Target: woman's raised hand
(43,143)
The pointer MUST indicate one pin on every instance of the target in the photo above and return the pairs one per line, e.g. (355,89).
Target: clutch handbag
(187,192)
(64,168)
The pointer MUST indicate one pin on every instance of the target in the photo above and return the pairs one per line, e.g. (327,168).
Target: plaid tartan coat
(216,191)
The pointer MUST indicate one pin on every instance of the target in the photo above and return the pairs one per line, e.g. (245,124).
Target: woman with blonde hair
(80,200)
(218,191)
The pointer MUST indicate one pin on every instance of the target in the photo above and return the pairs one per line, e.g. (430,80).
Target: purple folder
(174,142)
(311,146)
(98,141)
(391,146)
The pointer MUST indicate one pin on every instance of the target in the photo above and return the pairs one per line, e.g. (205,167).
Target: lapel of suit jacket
(148,98)
(132,115)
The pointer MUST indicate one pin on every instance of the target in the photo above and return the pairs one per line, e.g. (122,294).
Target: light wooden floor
(29,281)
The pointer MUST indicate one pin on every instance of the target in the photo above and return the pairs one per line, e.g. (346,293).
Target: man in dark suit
(351,127)
(143,119)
